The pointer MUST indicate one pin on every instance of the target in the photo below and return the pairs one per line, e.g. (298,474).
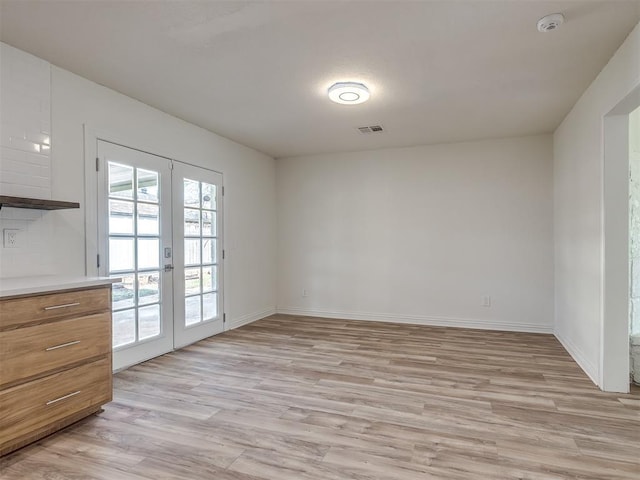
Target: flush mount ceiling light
(348,93)
(550,22)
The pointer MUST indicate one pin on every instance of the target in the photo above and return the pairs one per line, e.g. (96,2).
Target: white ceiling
(257,72)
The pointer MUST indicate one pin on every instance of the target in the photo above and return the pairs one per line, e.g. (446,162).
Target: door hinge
(98,260)
(223,254)
(223,190)
(97,164)
(224,317)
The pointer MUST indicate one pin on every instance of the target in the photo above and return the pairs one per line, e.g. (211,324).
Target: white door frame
(91,136)
(614,326)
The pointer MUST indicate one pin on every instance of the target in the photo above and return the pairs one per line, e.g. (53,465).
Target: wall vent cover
(371,129)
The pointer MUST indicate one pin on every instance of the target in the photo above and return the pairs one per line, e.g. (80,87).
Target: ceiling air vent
(371,129)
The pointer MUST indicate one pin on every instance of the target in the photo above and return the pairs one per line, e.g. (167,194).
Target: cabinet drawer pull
(54,307)
(62,345)
(51,402)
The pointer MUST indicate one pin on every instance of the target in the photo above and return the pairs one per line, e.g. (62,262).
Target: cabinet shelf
(35,203)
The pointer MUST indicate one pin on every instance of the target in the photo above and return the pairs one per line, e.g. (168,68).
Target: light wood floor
(290,398)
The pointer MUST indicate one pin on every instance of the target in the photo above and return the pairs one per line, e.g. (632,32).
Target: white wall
(249,179)
(578,221)
(420,234)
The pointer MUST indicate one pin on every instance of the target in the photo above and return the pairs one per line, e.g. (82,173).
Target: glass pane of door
(199,239)
(134,253)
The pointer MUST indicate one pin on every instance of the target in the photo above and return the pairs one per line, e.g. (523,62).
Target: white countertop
(10,287)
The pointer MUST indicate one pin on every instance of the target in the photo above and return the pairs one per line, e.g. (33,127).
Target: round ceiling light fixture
(550,22)
(348,93)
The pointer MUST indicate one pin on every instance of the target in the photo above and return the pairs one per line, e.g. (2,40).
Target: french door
(159,231)
(197,202)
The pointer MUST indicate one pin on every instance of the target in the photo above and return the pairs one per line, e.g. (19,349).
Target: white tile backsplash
(25,119)
(25,165)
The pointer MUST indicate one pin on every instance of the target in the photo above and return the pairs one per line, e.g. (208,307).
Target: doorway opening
(634,245)
(159,230)
(620,245)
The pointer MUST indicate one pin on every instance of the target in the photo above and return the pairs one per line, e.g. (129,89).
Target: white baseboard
(249,318)
(421,320)
(590,368)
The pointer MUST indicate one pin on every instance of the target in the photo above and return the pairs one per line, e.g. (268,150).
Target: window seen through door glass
(200,243)
(134,253)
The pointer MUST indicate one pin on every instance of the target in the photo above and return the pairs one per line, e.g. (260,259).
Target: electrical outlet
(12,238)
(486,301)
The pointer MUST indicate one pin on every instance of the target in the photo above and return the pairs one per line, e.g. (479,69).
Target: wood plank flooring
(315,399)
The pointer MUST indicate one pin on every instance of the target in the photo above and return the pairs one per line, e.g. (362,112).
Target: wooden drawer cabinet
(33,350)
(55,362)
(33,406)
(19,311)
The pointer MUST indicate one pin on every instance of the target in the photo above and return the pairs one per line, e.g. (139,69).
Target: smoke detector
(550,22)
